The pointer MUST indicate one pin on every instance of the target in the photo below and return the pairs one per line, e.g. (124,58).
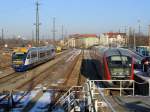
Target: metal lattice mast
(2,36)
(37,24)
(149,34)
(134,39)
(32,37)
(126,40)
(139,28)
(129,36)
(54,30)
(62,32)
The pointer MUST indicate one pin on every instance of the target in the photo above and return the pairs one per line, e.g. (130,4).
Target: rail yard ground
(42,88)
(5,59)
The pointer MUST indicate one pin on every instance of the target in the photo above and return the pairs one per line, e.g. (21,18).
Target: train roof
(42,48)
(114,51)
(20,49)
(136,55)
(25,49)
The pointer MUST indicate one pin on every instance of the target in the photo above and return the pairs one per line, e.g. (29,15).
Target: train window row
(33,55)
(41,54)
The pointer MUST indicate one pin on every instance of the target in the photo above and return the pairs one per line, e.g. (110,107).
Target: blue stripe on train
(21,68)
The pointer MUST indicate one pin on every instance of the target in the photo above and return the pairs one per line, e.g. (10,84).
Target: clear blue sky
(78,16)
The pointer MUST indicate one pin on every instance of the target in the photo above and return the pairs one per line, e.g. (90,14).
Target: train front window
(19,56)
(119,61)
(119,65)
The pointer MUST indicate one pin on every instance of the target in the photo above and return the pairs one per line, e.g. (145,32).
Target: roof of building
(114,34)
(88,35)
(84,36)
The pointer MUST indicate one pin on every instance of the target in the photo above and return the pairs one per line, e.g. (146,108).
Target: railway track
(13,78)
(37,79)
(71,78)
(42,76)
(79,80)
(67,77)
(74,72)
(58,90)
(8,77)
(10,81)
(2,68)
(7,68)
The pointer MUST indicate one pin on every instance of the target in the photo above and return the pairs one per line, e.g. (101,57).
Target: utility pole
(54,30)
(66,33)
(62,35)
(134,39)
(32,37)
(37,24)
(2,36)
(125,36)
(129,37)
(139,33)
(149,34)
(139,28)
(125,31)
(119,30)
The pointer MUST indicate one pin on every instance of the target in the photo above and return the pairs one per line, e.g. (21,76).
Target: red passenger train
(115,63)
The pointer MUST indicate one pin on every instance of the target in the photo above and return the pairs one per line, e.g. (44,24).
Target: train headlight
(127,72)
(114,74)
(120,73)
(17,62)
(146,62)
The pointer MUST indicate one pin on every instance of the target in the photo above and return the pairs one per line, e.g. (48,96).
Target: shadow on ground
(91,69)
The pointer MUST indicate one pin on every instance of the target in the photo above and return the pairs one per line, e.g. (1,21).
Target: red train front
(115,63)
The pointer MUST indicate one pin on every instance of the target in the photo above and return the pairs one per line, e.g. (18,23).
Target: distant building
(83,40)
(113,39)
(71,42)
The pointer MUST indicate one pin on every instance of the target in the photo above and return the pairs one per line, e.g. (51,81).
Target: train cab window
(115,60)
(33,54)
(19,56)
(119,60)
(120,65)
